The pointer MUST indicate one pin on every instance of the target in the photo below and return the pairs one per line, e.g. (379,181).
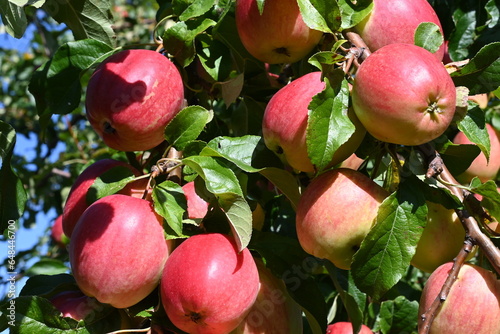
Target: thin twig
(356,40)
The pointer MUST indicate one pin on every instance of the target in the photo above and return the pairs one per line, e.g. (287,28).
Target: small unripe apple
(472,305)
(207,286)
(285,119)
(57,233)
(118,250)
(395,22)
(344,327)
(278,35)
(131,97)
(274,311)
(441,240)
(76,203)
(197,207)
(335,213)
(485,170)
(403,95)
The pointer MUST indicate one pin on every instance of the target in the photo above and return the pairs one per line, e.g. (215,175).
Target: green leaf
(385,253)
(352,14)
(13,18)
(215,57)
(109,182)
(328,125)
(170,203)
(491,196)
(482,72)
(321,15)
(428,36)
(325,57)
(251,155)
(221,181)
(473,125)
(179,39)
(187,9)
(13,196)
(186,126)
(85,18)
(47,266)
(398,315)
(231,89)
(44,284)
(464,34)
(260,5)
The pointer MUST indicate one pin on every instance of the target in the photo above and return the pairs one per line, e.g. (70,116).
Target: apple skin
(277,36)
(441,240)
(57,233)
(274,311)
(75,304)
(118,250)
(76,203)
(197,207)
(207,286)
(472,305)
(395,22)
(480,167)
(131,97)
(285,122)
(403,95)
(345,327)
(335,232)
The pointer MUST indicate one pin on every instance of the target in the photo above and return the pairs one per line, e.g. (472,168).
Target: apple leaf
(353,13)
(321,15)
(221,181)
(325,57)
(13,196)
(458,157)
(473,125)
(482,72)
(397,315)
(179,39)
(87,19)
(288,261)
(186,126)
(170,202)
(249,153)
(47,266)
(231,88)
(13,18)
(328,125)
(491,196)
(45,284)
(187,9)
(109,182)
(215,57)
(260,5)
(385,253)
(428,36)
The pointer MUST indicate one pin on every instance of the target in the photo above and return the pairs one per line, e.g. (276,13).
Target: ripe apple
(274,311)
(118,250)
(352,162)
(131,97)
(207,286)
(345,327)
(335,213)
(279,35)
(441,240)
(75,304)
(197,207)
(480,167)
(57,233)
(472,305)
(76,203)
(403,95)
(395,22)
(285,122)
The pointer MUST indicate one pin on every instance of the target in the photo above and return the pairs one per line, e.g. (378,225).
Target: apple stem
(143,330)
(363,51)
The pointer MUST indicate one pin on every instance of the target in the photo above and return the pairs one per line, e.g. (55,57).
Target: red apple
(352,162)
(403,95)
(131,97)
(118,250)
(395,22)
(480,167)
(74,304)
(274,311)
(441,240)
(197,207)
(279,35)
(285,122)
(57,233)
(335,213)
(345,327)
(472,305)
(76,203)
(207,286)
